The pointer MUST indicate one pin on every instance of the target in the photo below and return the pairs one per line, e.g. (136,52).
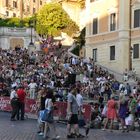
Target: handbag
(15,99)
(129,120)
(47,115)
(104,112)
(44,115)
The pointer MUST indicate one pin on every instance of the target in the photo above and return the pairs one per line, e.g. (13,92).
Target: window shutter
(137,18)
(136,51)
(95,25)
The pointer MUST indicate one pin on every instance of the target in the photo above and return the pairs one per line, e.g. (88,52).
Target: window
(7,13)
(41,2)
(23,8)
(34,10)
(113,22)
(95,55)
(28,8)
(137,18)
(93,0)
(14,4)
(136,51)
(14,15)
(112,52)
(6,3)
(95,25)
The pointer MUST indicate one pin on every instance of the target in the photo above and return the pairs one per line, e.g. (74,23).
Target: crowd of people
(70,79)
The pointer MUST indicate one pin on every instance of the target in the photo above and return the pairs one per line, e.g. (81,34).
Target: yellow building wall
(102,9)
(120,38)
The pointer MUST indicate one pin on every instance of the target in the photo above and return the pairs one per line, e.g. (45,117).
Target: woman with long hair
(50,129)
(111,113)
(123,110)
(41,106)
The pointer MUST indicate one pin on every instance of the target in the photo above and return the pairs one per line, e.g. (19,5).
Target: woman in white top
(50,129)
(14,103)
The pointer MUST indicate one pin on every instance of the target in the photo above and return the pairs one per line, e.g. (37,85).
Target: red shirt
(21,95)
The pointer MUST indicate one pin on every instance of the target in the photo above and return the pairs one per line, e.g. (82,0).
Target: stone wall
(12,37)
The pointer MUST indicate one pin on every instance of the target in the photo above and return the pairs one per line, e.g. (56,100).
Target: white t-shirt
(79,100)
(32,85)
(48,104)
(13,94)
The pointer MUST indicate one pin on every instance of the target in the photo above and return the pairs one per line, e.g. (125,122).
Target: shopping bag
(104,112)
(47,116)
(129,120)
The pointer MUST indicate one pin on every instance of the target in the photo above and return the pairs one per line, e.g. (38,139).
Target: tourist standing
(111,112)
(14,103)
(41,107)
(72,112)
(32,89)
(21,95)
(123,111)
(50,129)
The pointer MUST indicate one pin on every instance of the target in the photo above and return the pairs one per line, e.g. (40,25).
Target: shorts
(73,119)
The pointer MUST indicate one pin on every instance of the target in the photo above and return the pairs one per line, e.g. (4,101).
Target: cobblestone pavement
(26,130)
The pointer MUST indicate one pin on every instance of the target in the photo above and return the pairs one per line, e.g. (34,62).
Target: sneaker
(103,129)
(80,136)
(41,134)
(22,119)
(38,132)
(73,134)
(57,137)
(13,119)
(70,136)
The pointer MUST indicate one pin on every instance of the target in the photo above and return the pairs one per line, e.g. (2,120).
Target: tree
(80,42)
(52,20)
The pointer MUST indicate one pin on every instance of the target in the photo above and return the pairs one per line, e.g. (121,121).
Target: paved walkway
(26,130)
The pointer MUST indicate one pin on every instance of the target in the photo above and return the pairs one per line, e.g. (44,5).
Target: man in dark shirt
(21,95)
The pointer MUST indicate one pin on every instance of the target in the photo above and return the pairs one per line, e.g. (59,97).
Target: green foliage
(52,20)
(14,22)
(76,50)
(80,40)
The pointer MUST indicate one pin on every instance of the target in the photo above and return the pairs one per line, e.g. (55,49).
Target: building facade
(16,37)
(24,8)
(75,12)
(113,33)
(19,8)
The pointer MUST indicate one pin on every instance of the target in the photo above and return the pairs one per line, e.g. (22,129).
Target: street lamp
(31,46)
(31,27)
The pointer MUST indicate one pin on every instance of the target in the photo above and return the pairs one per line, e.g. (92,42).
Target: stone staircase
(118,76)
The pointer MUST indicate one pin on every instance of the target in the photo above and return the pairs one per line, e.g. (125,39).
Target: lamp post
(31,46)
(130,48)
(31,27)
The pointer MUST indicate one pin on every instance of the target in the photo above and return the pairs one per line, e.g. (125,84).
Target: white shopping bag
(129,120)
(104,112)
